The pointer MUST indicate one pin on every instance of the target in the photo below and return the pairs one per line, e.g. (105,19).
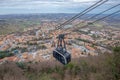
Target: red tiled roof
(13,58)
(90,48)
(1,60)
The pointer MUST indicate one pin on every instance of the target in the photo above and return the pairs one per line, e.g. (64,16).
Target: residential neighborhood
(35,44)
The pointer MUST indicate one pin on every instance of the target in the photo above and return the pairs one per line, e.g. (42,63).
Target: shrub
(21,65)
(116,61)
(4,54)
(42,47)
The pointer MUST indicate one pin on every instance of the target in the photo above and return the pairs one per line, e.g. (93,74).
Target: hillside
(102,67)
(12,23)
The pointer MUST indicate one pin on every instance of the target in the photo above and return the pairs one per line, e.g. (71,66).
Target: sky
(52,6)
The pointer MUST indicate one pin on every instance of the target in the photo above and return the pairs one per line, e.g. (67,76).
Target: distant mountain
(14,22)
(36,16)
(56,16)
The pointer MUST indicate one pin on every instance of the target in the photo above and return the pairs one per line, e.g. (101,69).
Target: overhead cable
(82,13)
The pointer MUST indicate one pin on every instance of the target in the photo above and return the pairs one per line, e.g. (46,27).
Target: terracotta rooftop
(13,58)
(90,48)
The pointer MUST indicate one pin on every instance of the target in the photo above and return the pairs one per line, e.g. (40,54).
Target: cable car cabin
(62,55)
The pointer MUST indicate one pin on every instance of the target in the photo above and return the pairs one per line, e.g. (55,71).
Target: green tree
(116,60)
(4,54)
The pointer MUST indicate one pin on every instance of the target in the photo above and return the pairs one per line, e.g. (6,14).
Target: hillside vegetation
(102,67)
(13,25)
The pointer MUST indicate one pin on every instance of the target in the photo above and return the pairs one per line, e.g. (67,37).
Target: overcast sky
(52,6)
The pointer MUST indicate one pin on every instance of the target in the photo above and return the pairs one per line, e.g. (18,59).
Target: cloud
(54,6)
(83,0)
